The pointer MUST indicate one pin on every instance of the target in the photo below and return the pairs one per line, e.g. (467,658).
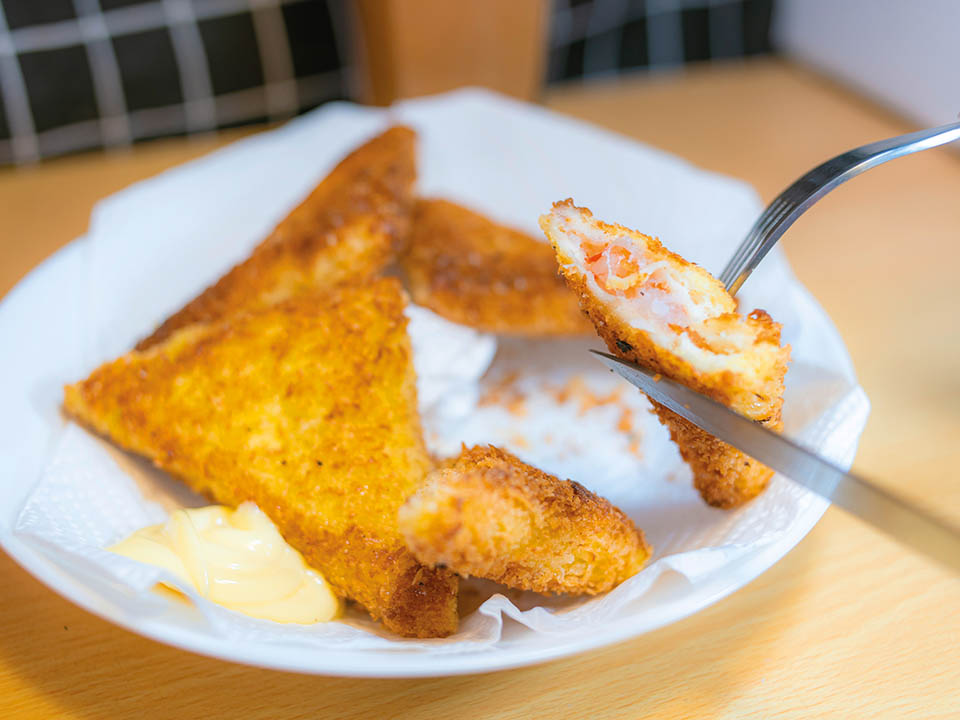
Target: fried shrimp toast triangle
(475,272)
(654,308)
(490,515)
(307,408)
(347,229)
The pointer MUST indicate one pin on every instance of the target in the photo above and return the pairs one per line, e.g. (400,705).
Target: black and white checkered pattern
(79,74)
(593,38)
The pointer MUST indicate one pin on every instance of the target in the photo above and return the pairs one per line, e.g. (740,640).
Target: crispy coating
(490,515)
(473,271)
(308,409)
(347,229)
(654,308)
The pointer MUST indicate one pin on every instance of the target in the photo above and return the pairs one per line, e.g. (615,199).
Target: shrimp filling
(658,298)
(681,307)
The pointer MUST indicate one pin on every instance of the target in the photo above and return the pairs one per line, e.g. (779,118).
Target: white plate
(153,246)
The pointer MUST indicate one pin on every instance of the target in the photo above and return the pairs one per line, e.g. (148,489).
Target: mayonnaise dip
(238,559)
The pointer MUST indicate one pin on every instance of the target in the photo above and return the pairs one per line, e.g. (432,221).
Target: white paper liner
(154,245)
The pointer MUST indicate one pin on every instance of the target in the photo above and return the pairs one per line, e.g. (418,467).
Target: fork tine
(759,229)
(771,227)
(772,215)
(796,199)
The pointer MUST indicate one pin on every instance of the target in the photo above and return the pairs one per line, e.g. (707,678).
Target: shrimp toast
(470,270)
(654,308)
(347,229)
(307,408)
(490,515)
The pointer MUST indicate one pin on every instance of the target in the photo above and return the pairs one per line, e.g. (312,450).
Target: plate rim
(368,663)
(280,658)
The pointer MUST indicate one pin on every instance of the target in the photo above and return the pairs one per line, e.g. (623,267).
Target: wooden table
(847,625)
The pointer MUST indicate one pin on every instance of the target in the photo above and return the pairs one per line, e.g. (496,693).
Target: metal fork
(795,200)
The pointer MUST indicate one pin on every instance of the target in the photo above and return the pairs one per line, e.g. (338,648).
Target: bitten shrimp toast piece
(347,229)
(473,271)
(307,408)
(490,515)
(654,308)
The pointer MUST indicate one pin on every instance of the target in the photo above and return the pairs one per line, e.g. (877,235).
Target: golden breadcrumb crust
(349,228)
(724,476)
(307,408)
(490,515)
(470,270)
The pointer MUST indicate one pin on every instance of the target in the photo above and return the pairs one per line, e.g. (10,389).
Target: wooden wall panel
(408,48)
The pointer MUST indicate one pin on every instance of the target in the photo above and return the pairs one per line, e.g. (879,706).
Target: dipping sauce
(236,558)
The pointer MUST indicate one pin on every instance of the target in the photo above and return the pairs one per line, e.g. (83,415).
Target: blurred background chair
(83,74)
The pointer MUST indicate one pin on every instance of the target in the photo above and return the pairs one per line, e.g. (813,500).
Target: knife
(899,518)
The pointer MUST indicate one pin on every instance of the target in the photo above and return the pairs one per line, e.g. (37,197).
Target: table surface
(847,625)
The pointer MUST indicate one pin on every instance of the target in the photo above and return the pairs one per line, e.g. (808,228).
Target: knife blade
(897,517)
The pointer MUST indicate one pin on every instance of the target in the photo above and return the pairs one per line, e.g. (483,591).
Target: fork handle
(795,200)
